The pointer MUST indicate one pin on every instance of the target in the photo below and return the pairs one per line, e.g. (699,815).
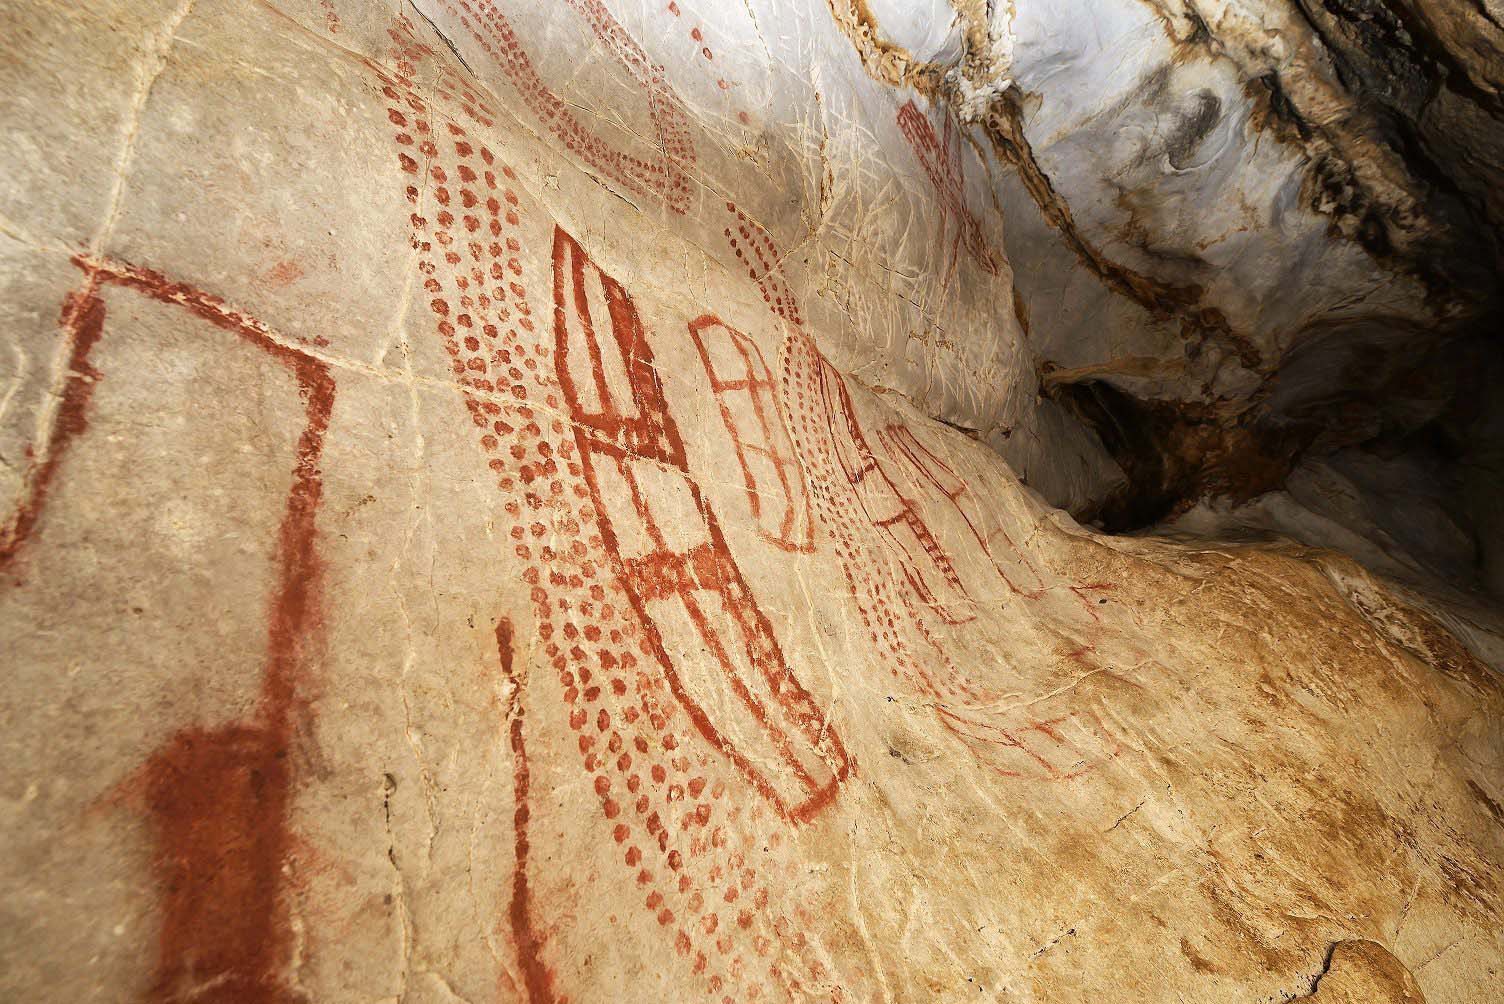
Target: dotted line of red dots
(471,272)
(804,374)
(666,175)
(755,250)
(698,35)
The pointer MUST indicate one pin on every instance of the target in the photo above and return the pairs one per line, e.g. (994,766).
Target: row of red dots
(698,36)
(801,366)
(767,273)
(526,433)
(488,411)
(665,176)
(701,813)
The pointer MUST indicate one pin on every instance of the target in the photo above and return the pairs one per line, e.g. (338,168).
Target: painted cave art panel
(926,566)
(217,798)
(1061,748)
(706,630)
(940,157)
(743,388)
(879,571)
(936,485)
(666,810)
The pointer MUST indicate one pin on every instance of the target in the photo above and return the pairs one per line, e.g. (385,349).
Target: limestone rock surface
(557,502)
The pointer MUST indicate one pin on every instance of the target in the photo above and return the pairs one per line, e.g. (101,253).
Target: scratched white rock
(554,503)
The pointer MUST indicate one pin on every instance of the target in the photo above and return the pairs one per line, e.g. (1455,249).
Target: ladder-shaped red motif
(935,478)
(703,625)
(925,564)
(743,388)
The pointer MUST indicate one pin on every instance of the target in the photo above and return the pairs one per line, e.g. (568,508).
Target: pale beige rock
(369,639)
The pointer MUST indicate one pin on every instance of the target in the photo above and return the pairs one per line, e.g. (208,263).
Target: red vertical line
(754,494)
(82,323)
(535,975)
(297,591)
(656,429)
(577,265)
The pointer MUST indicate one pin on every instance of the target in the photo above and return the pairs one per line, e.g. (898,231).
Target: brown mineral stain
(1201,964)
(1493,807)
(1244,951)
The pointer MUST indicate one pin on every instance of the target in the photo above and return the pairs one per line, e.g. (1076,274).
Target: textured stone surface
(487,522)
(1257,227)
(1361,971)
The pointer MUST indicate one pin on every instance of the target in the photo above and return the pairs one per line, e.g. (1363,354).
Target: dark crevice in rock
(1393,67)
(1174,453)
(1418,427)
(1360,970)
(1388,171)
(1326,967)
(1274,111)
(1415,197)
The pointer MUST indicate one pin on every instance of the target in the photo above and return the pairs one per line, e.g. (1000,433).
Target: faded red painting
(746,396)
(940,157)
(935,484)
(662,166)
(1061,748)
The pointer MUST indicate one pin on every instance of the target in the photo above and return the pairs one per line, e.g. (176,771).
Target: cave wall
(540,503)
(1264,231)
